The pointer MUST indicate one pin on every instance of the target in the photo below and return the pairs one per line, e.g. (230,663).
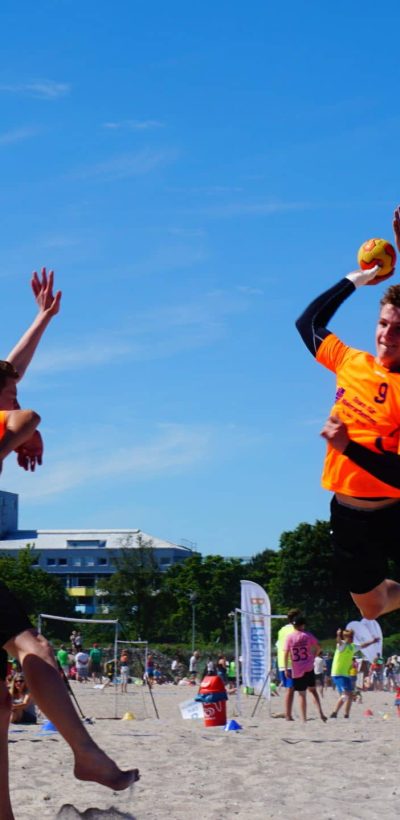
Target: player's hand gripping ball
(377,252)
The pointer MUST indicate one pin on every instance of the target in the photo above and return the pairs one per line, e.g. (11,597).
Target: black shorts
(301,684)
(13,618)
(362,541)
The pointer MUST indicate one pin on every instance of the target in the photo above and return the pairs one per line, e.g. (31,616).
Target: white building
(80,558)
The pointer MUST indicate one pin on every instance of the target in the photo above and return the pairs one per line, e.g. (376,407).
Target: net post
(115,670)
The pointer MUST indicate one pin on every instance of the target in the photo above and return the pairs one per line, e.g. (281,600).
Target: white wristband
(362,277)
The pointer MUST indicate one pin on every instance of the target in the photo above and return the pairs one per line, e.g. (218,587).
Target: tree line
(160,606)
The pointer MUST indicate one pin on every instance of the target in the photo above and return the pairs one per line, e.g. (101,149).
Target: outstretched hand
(335,433)
(364,277)
(42,287)
(30,453)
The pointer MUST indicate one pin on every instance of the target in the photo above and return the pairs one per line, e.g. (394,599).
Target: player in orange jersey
(362,462)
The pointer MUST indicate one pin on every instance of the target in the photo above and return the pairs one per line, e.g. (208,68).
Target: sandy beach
(268,769)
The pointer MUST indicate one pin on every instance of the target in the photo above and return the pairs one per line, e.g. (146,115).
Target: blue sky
(194,176)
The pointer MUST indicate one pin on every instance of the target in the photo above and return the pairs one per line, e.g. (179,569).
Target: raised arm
(49,305)
(30,451)
(312,324)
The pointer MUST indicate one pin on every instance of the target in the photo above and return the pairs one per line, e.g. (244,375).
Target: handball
(377,252)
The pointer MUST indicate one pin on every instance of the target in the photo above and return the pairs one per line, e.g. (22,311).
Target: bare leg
(6,812)
(16,715)
(317,702)
(51,695)
(338,706)
(349,701)
(303,705)
(384,598)
(289,697)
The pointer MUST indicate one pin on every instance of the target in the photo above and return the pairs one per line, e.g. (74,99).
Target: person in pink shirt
(302,648)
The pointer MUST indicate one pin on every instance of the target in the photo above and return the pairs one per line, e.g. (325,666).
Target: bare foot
(96,766)
(289,718)
(323,718)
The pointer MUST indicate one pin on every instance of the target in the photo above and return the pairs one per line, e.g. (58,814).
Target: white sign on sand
(191,710)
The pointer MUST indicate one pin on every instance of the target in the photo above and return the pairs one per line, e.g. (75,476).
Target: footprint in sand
(69,812)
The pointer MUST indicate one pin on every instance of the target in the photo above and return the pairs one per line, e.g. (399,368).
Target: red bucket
(215,709)
(215,713)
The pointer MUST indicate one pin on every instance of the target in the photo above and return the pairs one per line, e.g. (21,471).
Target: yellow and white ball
(377,252)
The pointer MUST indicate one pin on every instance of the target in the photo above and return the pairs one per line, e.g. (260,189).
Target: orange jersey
(368,401)
(3,419)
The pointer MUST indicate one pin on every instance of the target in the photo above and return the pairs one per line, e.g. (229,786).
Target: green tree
(215,581)
(304,579)
(263,568)
(37,590)
(134,587)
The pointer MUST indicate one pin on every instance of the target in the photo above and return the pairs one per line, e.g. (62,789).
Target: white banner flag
(364,631)
(256,637)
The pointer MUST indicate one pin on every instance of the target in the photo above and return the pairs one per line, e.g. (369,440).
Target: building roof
(86,539)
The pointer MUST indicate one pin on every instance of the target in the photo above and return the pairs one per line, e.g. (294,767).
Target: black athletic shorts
(301,684)
(362,541)
(13,621)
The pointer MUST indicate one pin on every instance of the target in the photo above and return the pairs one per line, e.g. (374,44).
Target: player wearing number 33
(362,462)
(301,647)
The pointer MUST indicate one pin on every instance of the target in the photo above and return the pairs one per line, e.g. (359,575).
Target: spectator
(63,659)
(222,668)
(82,666)
(95,655)
(175,669)
(193,665)
(22,706)
(149,671)
(231,674)
(211,667)
(319,671)
(124,671)
(397,701)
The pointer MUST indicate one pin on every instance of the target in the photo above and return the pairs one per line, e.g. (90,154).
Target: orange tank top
(367,400)
(3,419)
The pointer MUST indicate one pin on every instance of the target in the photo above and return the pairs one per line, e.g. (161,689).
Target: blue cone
(232,726)
(48,726)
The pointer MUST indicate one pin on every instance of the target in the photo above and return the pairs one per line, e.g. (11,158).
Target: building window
(77,562)
(102,562)
(50,562)
(86,543)
(62,562)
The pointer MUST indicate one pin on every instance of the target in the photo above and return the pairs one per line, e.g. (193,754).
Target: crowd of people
(301,665)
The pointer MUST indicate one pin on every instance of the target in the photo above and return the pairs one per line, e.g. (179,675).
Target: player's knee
(29,646)
(371,610)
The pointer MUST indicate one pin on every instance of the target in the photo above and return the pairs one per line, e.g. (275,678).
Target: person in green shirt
(341,666)
(95,656)
(63,659)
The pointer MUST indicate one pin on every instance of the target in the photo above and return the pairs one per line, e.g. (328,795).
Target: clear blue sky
(194,175)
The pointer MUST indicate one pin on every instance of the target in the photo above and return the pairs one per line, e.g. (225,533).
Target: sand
(269,769)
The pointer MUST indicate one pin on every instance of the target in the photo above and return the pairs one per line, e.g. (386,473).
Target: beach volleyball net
(101,697)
